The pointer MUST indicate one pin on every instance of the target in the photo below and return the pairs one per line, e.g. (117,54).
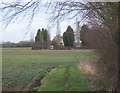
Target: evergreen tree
(42,38)
(68,37)
(37,38)
(84,30)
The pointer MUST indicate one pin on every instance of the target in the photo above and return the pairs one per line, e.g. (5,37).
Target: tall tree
(77,32)
(68,37)
(42,38)
(37,37)
(84,30)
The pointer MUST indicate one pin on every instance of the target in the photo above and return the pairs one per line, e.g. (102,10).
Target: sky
(17,31)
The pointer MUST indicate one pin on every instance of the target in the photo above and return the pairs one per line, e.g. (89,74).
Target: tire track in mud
(66,78)
(29,86)
(36,81)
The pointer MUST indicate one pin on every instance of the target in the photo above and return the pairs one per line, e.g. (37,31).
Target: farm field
(21,65)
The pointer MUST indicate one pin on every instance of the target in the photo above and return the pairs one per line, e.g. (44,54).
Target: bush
(101,39)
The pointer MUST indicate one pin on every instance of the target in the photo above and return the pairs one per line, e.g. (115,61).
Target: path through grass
(64,78)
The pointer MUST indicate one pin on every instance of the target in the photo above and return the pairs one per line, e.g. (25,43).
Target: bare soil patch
(36,81)
(23,87)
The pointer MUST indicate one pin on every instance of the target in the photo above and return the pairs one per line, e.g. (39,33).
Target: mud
(30,86)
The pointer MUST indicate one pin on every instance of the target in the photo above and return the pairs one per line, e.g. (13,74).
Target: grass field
(21,65)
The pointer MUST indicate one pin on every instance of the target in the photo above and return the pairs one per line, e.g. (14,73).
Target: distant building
(61,43)
(77,44)
(51,47)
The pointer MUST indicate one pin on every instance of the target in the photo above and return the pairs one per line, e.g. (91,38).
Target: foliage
(100,38)
(19,44)
(37,38)
(42,39)
(42,35)
(84,30)
(68,37)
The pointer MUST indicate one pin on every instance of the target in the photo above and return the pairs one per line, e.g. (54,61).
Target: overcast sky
(17,31)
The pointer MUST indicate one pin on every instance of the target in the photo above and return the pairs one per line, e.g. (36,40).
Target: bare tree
(14,10)
(60,10)
(77,33)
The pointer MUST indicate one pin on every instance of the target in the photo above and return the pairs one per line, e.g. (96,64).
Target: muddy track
(66,78)
(29,86)
(36,81)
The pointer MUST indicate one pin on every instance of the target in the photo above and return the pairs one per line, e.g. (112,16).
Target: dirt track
(66,78)
(22,87)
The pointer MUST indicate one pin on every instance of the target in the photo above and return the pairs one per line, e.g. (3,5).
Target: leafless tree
(18,10)
(77,33)
(60,10)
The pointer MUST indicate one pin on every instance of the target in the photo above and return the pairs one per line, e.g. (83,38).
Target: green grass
(57,80)
(20,65)
(54,81)
(77,81)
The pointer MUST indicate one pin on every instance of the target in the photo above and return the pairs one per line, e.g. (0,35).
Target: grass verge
(64,78)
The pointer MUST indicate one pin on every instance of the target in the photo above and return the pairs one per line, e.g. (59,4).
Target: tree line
(42,39)
(19,44)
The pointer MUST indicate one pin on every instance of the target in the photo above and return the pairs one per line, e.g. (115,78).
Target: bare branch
(12,11)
